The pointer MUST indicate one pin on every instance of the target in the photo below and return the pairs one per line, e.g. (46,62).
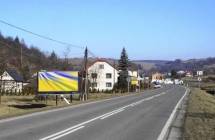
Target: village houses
(11,81)
(103,75)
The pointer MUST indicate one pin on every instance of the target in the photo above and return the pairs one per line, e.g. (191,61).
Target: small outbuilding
(11,81)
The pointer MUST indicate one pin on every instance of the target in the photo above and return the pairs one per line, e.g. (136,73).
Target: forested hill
(207,64)
(27,60)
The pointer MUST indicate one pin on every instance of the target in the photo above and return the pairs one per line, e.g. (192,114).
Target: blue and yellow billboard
(58,81)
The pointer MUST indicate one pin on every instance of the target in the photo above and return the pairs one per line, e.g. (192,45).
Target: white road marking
(146,99)
(71,128)
(118,111)
(78,125)
(106,115)
(169,121)
(67,133)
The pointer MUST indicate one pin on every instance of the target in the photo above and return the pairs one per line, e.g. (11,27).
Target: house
(102,75)
(11,81)
(200,73)
(181,72)
(157,77)
(189,74)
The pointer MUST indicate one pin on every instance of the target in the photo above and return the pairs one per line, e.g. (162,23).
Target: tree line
(27,60)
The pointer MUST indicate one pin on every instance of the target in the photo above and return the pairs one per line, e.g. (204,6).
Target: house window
(101,66)
(108,75)
(108,84)
(94,84)
(94,75)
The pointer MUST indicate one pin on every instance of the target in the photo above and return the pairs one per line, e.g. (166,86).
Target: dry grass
(208,86)
(19,105)
(200,118)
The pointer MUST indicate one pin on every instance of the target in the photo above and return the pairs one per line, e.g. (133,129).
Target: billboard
(57,81)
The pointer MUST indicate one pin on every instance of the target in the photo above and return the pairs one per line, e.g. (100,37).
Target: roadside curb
(177,126)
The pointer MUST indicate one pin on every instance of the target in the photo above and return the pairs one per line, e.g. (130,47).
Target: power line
(41,36)
(47,38)
(92,54)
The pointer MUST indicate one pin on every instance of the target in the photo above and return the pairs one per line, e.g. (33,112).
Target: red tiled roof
(102,60)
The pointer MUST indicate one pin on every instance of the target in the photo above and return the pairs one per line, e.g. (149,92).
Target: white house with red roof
(102,75)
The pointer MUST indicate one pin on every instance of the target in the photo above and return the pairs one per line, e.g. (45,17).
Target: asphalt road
(136,117)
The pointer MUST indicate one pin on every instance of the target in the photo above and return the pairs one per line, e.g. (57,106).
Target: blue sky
(149,29)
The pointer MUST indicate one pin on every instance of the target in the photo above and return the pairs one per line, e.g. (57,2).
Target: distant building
(11,81)
(168,81)
(200,73)
(181,72)
(189,74)
(157,76)
(102,75)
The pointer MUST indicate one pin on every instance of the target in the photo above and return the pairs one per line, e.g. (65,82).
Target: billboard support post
(71,98)
(46,99)
(56,100)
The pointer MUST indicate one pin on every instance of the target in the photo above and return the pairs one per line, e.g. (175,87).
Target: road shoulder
(200,116)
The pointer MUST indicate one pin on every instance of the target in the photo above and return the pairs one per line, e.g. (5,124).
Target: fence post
(71,98)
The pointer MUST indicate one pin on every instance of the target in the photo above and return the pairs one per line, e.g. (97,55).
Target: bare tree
(66,54)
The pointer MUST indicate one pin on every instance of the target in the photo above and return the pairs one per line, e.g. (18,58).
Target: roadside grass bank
(12,106)
(200,116)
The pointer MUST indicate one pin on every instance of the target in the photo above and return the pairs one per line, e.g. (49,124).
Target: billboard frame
(57,92)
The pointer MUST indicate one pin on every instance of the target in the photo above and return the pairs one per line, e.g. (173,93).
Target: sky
(148,29)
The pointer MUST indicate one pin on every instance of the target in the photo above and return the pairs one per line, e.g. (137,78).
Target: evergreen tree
(53,60)
(17,40)
(174,74)
(123,70)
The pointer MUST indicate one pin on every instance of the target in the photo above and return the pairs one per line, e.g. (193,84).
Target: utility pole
(138,79)
(21,56)
(114,75)
(0,89)
(86,74)
(128,79)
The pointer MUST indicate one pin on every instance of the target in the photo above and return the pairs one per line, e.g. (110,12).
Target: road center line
(106,115)
(120,110)
(67,133)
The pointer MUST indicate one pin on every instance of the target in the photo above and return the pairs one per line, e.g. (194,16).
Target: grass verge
(12,106)
(200,117)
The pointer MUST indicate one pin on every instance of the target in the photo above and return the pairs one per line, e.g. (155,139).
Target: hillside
(148,65)
(14,53)
(26,60)
(207,64)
